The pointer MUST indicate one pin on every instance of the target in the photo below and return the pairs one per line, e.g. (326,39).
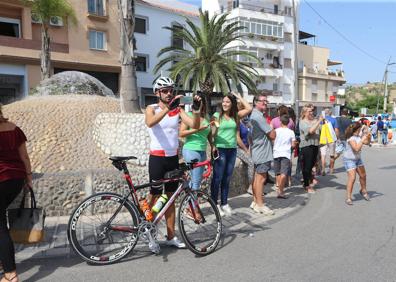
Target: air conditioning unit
(35,19)
(56,21)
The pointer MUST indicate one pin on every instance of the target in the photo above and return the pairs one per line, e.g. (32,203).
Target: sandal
(365,196)
(10,279)
(348,202)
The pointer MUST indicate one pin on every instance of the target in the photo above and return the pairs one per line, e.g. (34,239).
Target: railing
(259,9)
(263,37)
(338,73)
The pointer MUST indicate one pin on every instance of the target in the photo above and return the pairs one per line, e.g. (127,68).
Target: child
(352,159)
(285,140)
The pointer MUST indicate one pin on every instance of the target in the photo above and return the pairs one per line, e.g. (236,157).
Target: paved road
(325,241)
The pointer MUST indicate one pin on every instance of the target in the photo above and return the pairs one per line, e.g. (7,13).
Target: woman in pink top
(15,172)
(276,122)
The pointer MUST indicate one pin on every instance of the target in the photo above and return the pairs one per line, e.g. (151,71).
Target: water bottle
(160,203)
(146,210)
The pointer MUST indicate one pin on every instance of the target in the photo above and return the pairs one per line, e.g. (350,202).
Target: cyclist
(162,120)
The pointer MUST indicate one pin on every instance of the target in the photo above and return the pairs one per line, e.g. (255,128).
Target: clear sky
(368,24)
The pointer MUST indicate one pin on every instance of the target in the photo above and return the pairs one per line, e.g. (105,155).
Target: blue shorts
(350,164)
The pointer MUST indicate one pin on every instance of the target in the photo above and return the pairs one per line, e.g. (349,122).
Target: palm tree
(44,10)
(128,88)
(208,64)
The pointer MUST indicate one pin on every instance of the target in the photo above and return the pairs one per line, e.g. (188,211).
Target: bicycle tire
(201,233)
(103,250)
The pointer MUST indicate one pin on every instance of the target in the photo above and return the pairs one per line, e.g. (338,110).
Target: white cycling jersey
(165,134)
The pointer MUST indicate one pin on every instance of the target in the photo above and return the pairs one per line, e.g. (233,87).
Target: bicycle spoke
(93,236)
(200,223)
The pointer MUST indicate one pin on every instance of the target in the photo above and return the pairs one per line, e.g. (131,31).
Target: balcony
(14,42)
(336,75)
(267,70)
(256,8)
(271,92)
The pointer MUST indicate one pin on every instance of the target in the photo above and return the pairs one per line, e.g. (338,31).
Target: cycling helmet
(163,82)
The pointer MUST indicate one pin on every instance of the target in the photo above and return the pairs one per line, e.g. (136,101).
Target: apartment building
(321,79)
(92,46)
(269,27)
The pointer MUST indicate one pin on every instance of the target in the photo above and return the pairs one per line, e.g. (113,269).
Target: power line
(343,36)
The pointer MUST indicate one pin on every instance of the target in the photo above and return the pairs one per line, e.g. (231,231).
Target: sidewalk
(244,221)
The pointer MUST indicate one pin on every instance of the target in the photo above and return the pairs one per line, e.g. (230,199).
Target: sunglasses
(166,91)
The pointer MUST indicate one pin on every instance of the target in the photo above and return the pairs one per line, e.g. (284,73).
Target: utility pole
(295,96)
(386,84)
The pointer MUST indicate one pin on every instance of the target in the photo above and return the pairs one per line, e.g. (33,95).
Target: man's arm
(152,118)
(193,122)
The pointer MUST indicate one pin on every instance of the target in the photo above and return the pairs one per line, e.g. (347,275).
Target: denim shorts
(352,164)
(263,167)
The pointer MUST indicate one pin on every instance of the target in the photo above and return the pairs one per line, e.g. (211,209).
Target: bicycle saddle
(176,173)
(122,158)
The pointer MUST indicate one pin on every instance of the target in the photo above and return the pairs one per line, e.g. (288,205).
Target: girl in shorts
(353,163)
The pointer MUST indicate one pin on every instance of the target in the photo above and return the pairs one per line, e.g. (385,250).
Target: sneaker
(175,242)
(263,209)
(252,205)
(220,210)
(227,210)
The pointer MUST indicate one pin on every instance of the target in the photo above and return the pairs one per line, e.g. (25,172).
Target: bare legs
(258,184)
(361,171)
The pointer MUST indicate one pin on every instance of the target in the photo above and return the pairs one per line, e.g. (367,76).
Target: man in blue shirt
(330,147)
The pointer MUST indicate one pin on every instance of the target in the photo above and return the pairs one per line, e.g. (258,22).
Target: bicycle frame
(133,189)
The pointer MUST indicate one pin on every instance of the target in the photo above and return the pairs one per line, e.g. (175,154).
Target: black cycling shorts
(158,166)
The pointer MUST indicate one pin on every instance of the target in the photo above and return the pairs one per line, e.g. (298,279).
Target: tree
(128,86)
(44,10)
(208,64)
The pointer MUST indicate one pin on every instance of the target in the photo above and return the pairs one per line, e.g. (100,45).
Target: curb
(37,253)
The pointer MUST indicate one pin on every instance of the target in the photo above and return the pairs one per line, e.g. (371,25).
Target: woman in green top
(226,136)
(309,144)
(195,145)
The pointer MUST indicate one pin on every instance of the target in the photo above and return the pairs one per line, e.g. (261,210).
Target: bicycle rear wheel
(103,228)
(199,223)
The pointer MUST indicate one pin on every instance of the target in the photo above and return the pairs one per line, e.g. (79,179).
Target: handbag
(27,224)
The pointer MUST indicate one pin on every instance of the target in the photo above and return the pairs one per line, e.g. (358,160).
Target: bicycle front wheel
(199,223)
(103,228)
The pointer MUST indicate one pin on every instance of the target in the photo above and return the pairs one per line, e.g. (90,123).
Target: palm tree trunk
(45,55)
(128,87)
(207,89)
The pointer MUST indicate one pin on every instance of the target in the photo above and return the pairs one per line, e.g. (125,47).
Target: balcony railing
(338,73)
(259,9)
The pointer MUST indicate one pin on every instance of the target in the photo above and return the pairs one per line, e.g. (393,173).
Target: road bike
(106,226)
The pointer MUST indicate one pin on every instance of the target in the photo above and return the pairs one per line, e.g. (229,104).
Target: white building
(270,35)
(151,18)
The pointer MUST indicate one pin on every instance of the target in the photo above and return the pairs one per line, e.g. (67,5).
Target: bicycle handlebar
(206,163)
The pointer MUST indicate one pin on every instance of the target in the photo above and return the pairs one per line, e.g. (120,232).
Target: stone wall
(70,138)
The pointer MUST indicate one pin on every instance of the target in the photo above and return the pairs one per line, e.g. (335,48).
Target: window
(96,7)
(288,37)
(177,41)
(260,27)
(287,63)
(314,97)
(140,25)
(97,40)
(10,27)
(288,11)
(141,63)
(276,9)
